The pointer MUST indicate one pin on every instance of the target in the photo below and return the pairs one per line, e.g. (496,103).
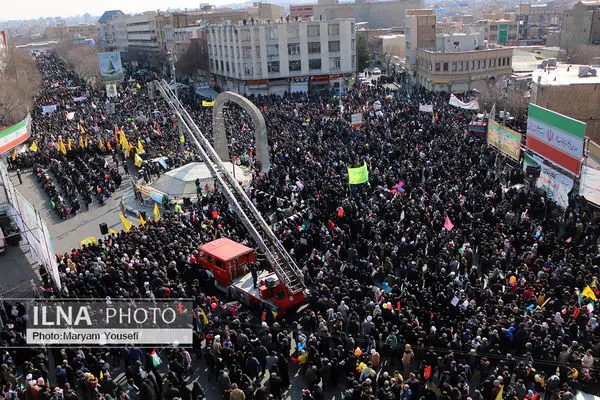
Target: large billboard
(111,68)
(556,137)
(504,139)
(589,185)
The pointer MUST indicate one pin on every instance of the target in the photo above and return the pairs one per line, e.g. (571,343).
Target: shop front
(257,87)
(299,84)
(319,83)
(279,86)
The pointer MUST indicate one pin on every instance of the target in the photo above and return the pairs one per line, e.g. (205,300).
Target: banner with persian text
(504,139)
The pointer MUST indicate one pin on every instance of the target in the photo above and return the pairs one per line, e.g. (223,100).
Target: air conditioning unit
(584,71)
(593,71)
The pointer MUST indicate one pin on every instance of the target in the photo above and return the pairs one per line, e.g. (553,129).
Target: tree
(516,103)
(364,53)
(16,95)
(81,57)
(194,59)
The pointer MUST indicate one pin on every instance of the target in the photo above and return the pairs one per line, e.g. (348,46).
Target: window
(233,68)
(294,49)
(494,64)
(273,66)
(313,31)
(472,65)
(222,66)
(507,60)
(293,31)
(445,67)
(493,27)
(314,64)
(430,66)
(483,64)
(460,66)
(272,33)
(257,51)
(478,64)
(314,47)
(227,66)
(295,65)
(272,50)
(333,29)
(334,46)
(248,69)
(231,51)
(438,66)
(499,62)
(493,37)
(259,68)
(247,51)
(353,45)
(334,63)
(212,64)
(246,35)
(454,67)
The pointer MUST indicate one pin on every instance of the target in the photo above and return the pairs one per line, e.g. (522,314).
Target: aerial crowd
(442,277)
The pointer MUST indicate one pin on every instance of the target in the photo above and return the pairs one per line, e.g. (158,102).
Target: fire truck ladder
(284,266)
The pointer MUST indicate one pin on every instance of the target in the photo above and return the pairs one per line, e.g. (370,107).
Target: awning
(207,92)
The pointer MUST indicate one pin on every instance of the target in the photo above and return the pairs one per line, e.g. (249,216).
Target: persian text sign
(504,139)
(97,322)
(589,186)
(556,137)
(556,185)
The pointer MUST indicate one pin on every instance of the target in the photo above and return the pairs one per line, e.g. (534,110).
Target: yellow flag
(182,139)
(122,138)
(142,221)
(101,375)
(81,141)
(137,85)
(112,232)
(81,128)
(14,155)
(33,147)
(156,212)
(358,175)
(61,146)
(588,292)
(140,147)
(204,319)
(101,144)
(500,393)
(69,144)
(126,224)
(138,161)
(86,141)
(207,103)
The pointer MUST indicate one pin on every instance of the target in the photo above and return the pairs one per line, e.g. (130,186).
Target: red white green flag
(15,135)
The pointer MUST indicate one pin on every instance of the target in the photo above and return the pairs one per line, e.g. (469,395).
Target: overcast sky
(28,9)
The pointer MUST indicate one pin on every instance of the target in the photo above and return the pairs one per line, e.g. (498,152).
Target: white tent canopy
(181,181)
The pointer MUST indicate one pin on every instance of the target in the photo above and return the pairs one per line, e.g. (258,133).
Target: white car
(376,71)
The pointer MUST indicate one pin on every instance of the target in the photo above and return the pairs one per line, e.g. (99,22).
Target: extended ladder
(283,264)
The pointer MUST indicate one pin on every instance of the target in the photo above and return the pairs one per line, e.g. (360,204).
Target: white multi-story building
(279,57)
(141,32)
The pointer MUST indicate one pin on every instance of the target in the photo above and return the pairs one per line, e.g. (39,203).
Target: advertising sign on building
(504,139)
(556,137)
(111,68)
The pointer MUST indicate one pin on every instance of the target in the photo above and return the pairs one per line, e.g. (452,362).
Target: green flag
(359,175)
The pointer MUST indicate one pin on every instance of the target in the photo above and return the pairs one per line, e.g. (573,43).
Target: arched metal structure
(220,135)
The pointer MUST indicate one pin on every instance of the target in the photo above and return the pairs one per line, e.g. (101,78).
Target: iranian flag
(15,135)
(156,361)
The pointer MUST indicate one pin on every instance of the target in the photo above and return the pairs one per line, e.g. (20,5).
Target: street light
(172,59)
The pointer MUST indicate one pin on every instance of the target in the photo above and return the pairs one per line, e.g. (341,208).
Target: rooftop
(563,75)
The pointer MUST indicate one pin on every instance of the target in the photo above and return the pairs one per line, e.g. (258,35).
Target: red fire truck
(229,263)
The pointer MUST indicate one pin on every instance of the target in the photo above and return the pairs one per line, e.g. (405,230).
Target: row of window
(293,49)
(274,66)
(293,31)
(470,65)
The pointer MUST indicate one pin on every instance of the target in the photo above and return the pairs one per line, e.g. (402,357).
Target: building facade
(70,32)
(581,25)
(141,33)
(274,58)
(500,31)
(564,91)
(462,71)
(420,32)
(302,11)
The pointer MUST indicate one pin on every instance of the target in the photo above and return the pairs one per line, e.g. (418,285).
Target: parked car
(376,71)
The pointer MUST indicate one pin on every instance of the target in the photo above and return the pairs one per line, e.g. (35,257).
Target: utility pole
(15,66)
(505,85)
(172,59)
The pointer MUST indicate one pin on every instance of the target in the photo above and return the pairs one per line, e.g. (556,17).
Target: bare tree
(516,103)
(81,57)
(194,59)
(18,86)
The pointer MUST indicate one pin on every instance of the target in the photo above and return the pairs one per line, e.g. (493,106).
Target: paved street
(18,269)
(67,234)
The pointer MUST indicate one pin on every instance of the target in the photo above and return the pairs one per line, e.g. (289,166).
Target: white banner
(556,185)
(77,99)
(426,108)
(356,120)
(589,186)
(472,105)
(49,109)
(111,90)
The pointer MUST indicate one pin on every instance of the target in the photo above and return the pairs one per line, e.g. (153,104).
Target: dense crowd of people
(439,278)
